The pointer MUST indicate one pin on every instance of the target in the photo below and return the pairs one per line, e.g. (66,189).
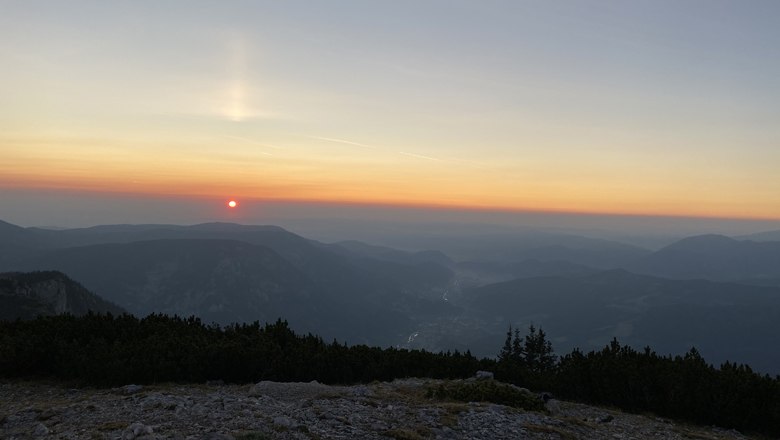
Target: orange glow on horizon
(385,180)
(575,207)
(233,114)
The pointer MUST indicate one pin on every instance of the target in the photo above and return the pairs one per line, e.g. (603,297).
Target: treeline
(105,350)
(681,387)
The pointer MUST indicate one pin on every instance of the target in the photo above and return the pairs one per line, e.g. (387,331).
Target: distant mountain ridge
(27,295)
(124,233)
(714,257)
(725,321)
(510,247)
(178,276)
(761,236)
(235,273)
(377,295)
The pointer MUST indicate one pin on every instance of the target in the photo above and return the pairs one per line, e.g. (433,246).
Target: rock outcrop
(270,410)
(27,295)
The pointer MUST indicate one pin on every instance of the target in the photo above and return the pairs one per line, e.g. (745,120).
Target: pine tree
(506,351)
(518,351)
(539,355)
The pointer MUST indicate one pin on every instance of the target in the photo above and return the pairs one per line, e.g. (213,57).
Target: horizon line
(411,206)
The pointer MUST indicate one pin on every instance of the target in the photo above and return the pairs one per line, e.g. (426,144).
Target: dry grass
(698,435)
(411,396)
(451,414)
(546,429)
(579,422)
(485,391)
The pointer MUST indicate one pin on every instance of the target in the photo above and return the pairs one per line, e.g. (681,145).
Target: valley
(424,299)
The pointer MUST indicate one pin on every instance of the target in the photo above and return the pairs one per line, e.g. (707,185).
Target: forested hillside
(110,350)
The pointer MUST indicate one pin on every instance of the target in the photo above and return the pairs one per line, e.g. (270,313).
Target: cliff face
(27,295)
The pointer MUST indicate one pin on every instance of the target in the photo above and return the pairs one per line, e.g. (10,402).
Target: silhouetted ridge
(714,257)
(232,227)
(670,315)
(5,226)
(762,236)
(239,281)
(26,295)
(12,235)
(704,243)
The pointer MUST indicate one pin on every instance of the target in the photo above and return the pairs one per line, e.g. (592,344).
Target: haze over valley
(716,293)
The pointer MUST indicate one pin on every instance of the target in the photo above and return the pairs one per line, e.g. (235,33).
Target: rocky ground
(269,410)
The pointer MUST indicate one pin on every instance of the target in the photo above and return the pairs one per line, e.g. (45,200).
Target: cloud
(342,141)
(419,156)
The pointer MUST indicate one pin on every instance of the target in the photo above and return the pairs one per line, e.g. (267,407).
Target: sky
(166,110)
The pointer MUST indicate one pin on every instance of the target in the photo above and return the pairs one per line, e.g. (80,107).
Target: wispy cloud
(342,141)
(420,156)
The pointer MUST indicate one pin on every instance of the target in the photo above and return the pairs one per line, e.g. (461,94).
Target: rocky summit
(27,295)
(402,409)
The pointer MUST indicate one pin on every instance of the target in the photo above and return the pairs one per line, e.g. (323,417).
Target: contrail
(342,141)
(419,156)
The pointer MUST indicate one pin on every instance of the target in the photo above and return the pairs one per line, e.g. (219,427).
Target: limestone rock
(136,431)
(283,421)
(297,411)
(40,430)
(483,375)
(132,389)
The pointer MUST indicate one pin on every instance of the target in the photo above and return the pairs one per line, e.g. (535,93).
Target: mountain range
(233,273)
(724,321)
(714,257)
(717,293)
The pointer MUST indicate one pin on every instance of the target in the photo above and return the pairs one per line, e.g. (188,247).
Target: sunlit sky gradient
(634,107)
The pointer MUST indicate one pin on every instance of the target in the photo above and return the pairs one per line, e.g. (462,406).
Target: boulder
(484,375)
(132,389)
(40,430)
(136,430)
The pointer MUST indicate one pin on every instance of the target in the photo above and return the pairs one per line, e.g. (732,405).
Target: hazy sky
(638,107)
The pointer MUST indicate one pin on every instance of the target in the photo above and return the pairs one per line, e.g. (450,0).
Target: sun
(232,203)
